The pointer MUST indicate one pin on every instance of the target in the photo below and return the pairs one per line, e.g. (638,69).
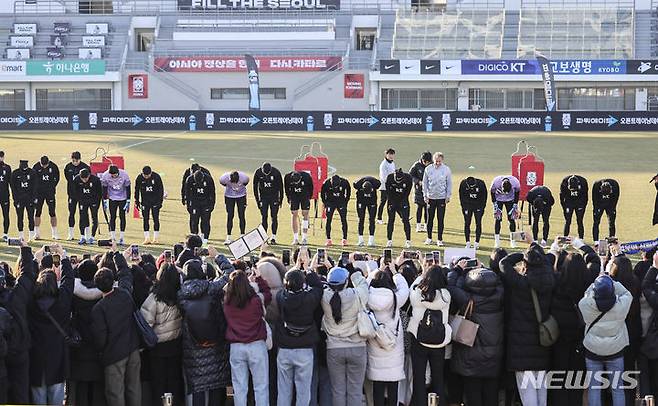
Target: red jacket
(246,325)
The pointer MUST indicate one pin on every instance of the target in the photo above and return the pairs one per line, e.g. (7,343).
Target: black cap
(44,160)
(84,173)
(146,170)
(114,170)
(76,155)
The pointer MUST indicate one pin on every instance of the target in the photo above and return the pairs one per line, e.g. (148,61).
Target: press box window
(232,93)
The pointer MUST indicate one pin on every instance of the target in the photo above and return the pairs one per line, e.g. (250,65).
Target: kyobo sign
(65,68)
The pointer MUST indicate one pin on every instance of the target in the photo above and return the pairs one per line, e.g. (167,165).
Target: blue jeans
(611,365)
(295,366)
(246,358)
(48,395)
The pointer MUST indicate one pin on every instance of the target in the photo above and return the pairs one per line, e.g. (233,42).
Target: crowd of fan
(322,332)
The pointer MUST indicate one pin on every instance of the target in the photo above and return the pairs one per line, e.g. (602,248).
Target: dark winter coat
(205,368)
(485,289)
(113,325)
(299,310)
(417,171)
(524,352)
(49,354)
(5,335)
(16,301)
(85,362)
(655,207)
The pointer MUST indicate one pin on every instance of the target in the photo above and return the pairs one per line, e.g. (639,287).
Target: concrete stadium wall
(163,96)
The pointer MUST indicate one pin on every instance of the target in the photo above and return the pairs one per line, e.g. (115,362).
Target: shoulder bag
(549,330)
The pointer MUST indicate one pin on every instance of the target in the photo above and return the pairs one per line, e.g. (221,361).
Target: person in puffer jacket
(481,363)
(346,349)
(650,292)
(297,335)
(604,309)
(428,292)
(522,273)
(160,310)
(205,352)
(387,293)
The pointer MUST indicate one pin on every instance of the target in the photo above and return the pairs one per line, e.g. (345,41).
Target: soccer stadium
(329,202)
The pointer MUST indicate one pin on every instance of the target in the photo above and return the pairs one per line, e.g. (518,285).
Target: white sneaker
(295,241)
(428,241)
(476,245)
(371,241)
(543,243)
(389,244)
(423,227)
(468,245)
(360,242)
(407,244)
(228,241)
(380,222)
(497,241)
(439,243)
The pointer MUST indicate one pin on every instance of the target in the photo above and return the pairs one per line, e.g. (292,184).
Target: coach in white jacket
(437,191)
(387,293)
(386,168)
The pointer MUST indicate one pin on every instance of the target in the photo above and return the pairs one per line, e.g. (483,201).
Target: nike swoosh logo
(387,67)
(408,67)
(429,67)
(449,67)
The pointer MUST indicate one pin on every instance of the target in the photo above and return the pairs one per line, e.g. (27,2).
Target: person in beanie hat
(604,308)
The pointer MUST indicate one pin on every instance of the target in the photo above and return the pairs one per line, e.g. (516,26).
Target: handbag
(269,341)
(385,338)
(649,345)
(365,321)
(464,330)
(72,338)
(146,333)
(549,330)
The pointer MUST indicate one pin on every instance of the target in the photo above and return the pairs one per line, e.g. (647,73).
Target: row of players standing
(429,176)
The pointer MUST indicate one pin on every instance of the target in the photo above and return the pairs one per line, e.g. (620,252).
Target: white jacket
(385,168)
(609,335)
(346,333)
(166,320)
(441,302)
(387,365)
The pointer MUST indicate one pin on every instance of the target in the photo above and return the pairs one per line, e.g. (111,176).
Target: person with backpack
(479,295)
(244,305)
(387,293)
(604,308)
(297,335)
(430,332)
(161,312)
(15,300)
(49,313)
(346,348)
(205,351)
(528,280)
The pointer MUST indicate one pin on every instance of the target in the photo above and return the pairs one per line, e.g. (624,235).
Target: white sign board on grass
(249,242)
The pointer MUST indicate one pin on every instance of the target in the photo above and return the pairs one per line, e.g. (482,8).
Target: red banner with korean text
(237,63)
(354,85)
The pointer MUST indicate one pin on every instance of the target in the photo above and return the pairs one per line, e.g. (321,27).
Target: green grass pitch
(628,157)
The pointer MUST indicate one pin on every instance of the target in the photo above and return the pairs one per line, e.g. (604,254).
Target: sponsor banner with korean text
(204,5)
(642,67)
(66,67)
(238,64)
(36,120)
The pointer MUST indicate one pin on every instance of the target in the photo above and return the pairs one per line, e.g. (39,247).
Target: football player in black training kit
(47,180)
(24,192)
(148,186)
(200,198)
(5,178)
(605,195)
(416,172)
(655,208)
(573,198)
(299,190)
(335,194)
(473,199)
(189,172)
(88,192)
(541,202)
(398,188)
(71,170)
(366,199)
(268,191)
